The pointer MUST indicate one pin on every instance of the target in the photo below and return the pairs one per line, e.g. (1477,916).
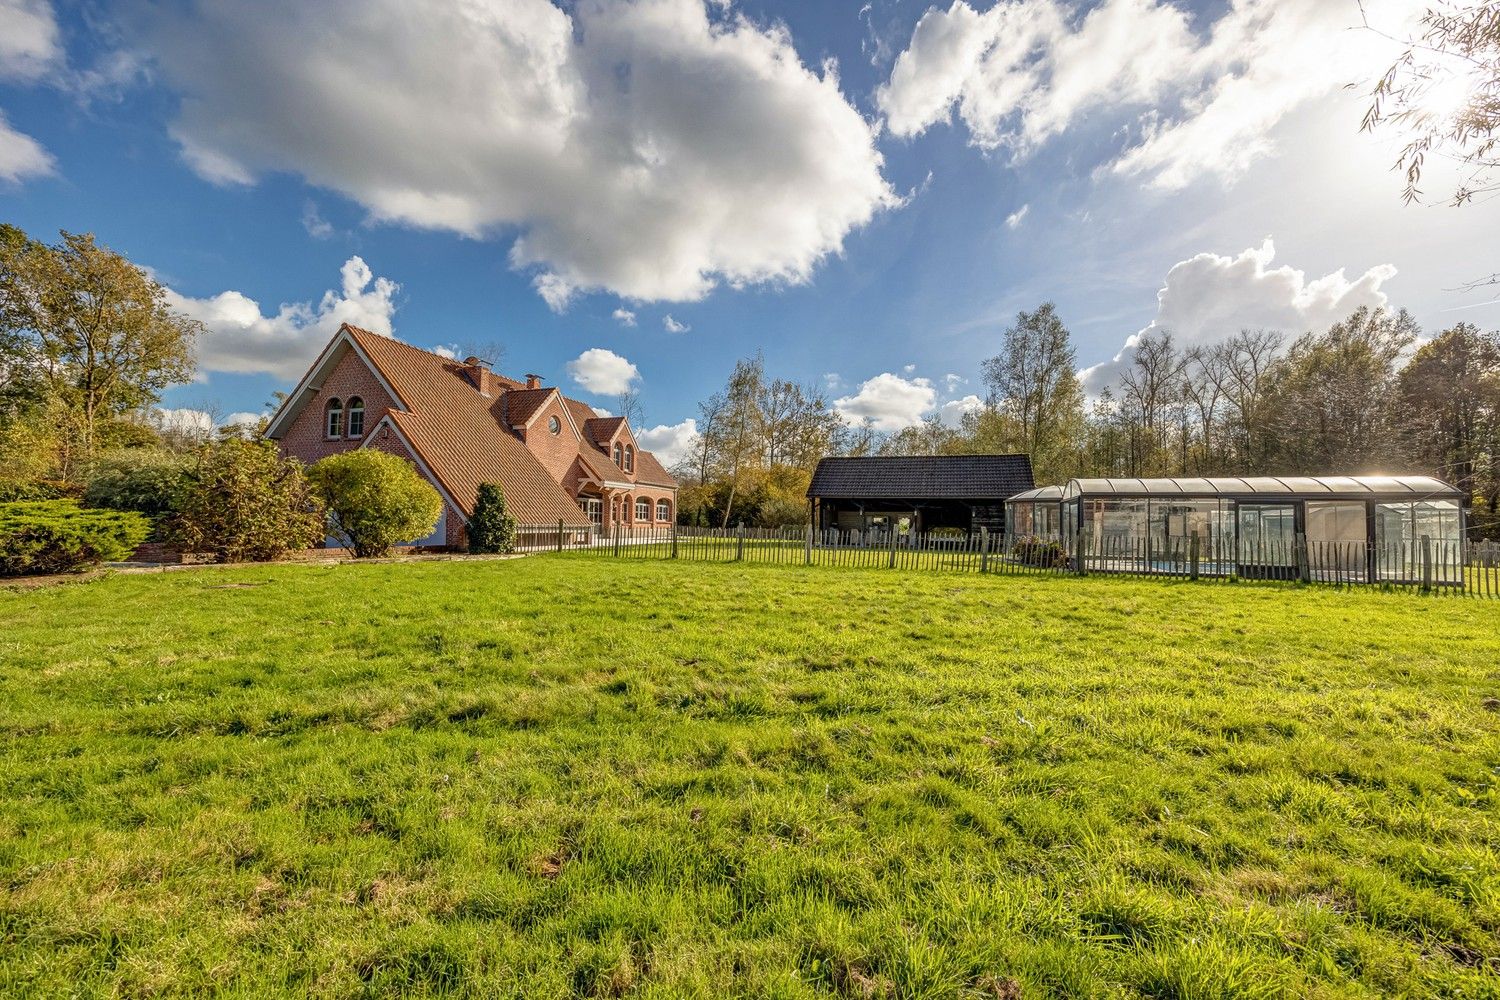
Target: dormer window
(619,455)
(354,417)
(629,458)
(334,424)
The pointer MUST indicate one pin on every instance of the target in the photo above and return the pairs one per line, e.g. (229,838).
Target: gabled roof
(522,404)
(455,430)
(923,477)
(601,430)
(464,437)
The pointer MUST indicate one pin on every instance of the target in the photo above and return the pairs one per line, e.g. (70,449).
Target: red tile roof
(464,437)
(456,432)
(522,404)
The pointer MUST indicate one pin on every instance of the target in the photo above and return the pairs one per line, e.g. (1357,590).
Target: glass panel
(1336,539)
(1021,518)
(1393,538)
(1048,519)
(1438,520)
(1267,540)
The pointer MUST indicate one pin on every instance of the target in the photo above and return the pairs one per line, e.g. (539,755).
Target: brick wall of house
(305,438)
(557,452)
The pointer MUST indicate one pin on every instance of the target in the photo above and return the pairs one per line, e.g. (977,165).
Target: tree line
(1366,395)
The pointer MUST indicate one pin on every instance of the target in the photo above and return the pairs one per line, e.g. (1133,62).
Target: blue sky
(866,193)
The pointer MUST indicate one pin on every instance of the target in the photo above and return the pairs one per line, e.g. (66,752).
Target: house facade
(460,424)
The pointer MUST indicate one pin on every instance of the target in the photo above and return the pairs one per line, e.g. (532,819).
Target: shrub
(58,536)
(18,490)
(1040,552)
(145,480)
(491,529)
(375,500)
(243,501)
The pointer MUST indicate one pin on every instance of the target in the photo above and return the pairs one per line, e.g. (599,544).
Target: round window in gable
(554,425)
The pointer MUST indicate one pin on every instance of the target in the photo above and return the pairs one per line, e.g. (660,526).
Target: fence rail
(1422,564)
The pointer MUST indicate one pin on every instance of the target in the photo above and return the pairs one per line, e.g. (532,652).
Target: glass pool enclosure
(1354,528)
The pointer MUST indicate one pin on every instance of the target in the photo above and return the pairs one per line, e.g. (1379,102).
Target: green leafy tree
(94,329)
(1033,381)
(375,500)
(491,529)
(243,501)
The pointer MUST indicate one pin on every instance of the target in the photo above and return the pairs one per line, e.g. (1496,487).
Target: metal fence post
(1195,553)
(1426,562)
(739,552)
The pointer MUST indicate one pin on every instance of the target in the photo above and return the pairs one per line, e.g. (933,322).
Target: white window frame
(642,504)
(663,510)
(333,420)
(355,405)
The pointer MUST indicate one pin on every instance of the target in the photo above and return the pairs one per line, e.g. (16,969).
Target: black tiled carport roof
(934,477)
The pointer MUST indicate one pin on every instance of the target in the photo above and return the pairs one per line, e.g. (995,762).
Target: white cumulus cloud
(602,371)
(624,316)
(1021,72)
(29,51)
(1210,297)
(650,148)
(21,156)
(889,401)
(673,326)
(953,411)
(240,337)
(670,443)
(30,45)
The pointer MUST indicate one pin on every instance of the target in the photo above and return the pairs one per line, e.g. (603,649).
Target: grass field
(560,777)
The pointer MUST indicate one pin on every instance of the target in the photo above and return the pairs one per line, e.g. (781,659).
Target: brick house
(461,425)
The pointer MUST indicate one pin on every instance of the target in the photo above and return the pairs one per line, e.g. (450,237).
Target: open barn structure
(916,494)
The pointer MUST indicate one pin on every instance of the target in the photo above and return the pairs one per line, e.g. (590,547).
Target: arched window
(629,458)
(334,425)
(619,455)
(663,510)
(642,509)
(355,417)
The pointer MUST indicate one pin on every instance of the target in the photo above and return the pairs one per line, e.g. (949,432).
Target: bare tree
(1150,397)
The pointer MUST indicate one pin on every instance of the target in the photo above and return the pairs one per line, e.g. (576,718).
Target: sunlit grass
(591,777)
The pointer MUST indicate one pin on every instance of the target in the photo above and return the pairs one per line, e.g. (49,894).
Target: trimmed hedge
(58,536)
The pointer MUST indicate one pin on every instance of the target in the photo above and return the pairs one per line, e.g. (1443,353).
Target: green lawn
(572,776)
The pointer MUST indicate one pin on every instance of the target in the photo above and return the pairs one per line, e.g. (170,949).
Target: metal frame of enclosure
(1370,529)
(1035,513)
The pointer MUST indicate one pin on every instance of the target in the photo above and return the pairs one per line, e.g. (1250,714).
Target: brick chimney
(533,381)
(478,372)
